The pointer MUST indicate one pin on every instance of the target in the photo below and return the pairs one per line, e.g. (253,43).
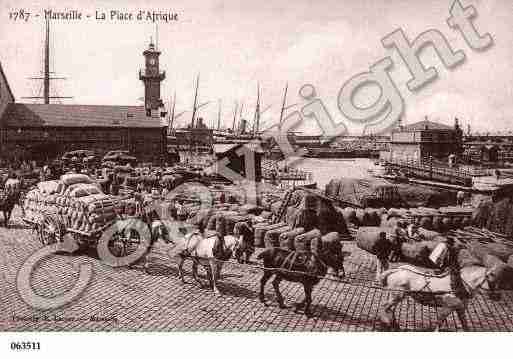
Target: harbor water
(324,170)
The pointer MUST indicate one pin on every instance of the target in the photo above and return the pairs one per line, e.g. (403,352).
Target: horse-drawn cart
(75,206)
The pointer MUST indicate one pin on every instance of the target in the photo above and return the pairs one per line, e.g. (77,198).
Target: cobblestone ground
(129,299)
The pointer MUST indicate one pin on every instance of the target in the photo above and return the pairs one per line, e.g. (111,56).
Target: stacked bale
(374,240)
(501,251)
(92,212)
(272,237)
(303,241)
(262,229)
(503,272)
(349,215)
(466,258)
(330,243)
(232,220)
(287,238)
(418,253)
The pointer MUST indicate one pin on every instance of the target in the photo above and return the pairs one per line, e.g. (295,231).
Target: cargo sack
(426,222)
(466,259)
(261,230)
(74,178)
(232,220)
(275,207)
(332,241)
(418,253)
(306,218)
(374,240)
(290,215)
(287,238)
(430,235)
(250,209)
(272,237)
(349,215)
(211,224)
(367,217)
(266,214)
(480,250)
(329,244)
(303,241)
(438,254)
(503,271)
(330,219)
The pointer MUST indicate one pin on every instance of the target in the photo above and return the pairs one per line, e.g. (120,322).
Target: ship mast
(219,116)
(256,117)
(234,116)
(258,113)
(46,71)
(196,107)
(47,64)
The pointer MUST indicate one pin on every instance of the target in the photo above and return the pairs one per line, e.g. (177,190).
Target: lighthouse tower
(151,76)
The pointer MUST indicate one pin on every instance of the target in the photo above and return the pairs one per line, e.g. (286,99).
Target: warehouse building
(423,140)
(46,131)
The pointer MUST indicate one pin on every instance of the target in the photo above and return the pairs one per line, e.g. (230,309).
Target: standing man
(451,263)
(397,237)
(460,198)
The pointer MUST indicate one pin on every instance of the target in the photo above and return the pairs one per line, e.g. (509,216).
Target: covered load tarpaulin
(365,192)
(377,193)
(309,209)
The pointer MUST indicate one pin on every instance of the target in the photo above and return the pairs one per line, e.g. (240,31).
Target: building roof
(6,82)
(56,115)
(221,148)
(421,125)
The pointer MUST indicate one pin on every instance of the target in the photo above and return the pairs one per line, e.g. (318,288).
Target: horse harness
(188,252)
(302,256)
(468,289)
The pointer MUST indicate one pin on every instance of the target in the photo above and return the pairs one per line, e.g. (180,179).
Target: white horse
(434,291)
(211,251)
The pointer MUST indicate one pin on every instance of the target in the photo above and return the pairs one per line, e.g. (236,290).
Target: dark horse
(8,199)
(244,231)
(302,267)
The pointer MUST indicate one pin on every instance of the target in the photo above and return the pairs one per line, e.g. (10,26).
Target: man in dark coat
(451,263)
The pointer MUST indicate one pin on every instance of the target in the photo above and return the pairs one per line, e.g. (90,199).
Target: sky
(235,45)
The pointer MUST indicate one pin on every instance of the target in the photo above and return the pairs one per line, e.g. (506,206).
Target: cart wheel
(51,230)
(124,243)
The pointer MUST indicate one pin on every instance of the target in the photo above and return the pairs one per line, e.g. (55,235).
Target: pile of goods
(381,193)
(440,220)
(42,200)
(486,248)
(475,246)
(497,216)
(76,202)
(90,213)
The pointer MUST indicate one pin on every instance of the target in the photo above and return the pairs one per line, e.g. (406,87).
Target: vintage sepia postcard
(241,166)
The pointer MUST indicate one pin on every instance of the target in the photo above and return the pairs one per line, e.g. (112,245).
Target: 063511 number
(25,346)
